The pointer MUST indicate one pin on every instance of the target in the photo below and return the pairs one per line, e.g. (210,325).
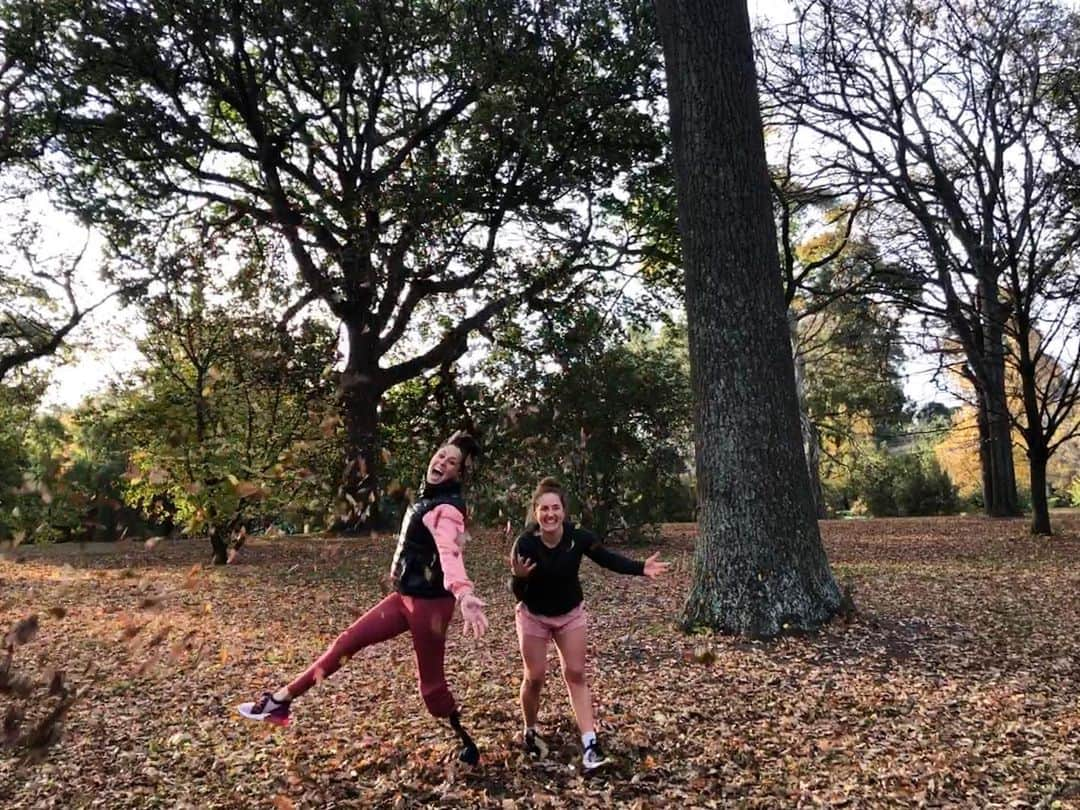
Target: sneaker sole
(595,766)
(244,711)
(538,750)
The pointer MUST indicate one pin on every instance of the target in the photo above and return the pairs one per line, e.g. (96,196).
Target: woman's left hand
(654,566)
(472,614)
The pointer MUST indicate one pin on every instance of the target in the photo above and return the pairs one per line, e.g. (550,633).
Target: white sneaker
(266,708)
(594,757)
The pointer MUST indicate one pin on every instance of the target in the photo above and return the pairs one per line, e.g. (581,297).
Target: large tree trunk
(760,568)
(360,394)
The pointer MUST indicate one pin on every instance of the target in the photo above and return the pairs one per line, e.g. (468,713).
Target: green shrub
(906,484)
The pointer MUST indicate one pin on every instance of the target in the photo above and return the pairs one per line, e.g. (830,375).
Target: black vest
(417,570)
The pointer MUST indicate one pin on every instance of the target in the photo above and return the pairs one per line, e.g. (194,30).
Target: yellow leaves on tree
(958,455)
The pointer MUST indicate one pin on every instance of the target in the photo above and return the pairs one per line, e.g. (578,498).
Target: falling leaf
(249,489)
(704,654)
(151,542)
(283,802)
(56,683)
(23,630)
(192,580)
(157,476)
(12,718)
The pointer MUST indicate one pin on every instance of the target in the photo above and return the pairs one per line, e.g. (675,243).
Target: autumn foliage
(954,684)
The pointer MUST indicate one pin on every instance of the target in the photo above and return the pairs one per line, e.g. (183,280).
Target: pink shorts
(530,624)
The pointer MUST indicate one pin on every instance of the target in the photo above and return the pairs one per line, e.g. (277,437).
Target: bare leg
(534,658)
(571,645)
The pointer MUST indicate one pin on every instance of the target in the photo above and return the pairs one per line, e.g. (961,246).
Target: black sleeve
(609,559)
(519,585)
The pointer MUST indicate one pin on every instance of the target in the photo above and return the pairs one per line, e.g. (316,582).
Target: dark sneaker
(266,708)
(594,758)
(469,753)
(534,744)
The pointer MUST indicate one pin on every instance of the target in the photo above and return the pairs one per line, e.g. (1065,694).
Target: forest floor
(955,685)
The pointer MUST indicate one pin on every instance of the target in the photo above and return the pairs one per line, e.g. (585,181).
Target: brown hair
(469,447)
(547,486)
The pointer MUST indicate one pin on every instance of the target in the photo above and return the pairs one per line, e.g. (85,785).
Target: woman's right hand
(520,566)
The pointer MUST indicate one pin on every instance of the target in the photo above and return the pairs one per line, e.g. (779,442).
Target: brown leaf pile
(955,685)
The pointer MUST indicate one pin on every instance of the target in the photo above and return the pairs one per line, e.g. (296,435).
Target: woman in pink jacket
(429,579)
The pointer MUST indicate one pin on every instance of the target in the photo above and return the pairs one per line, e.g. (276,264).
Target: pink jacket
(446,525)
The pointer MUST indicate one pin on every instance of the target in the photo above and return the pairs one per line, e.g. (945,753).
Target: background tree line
(342,240)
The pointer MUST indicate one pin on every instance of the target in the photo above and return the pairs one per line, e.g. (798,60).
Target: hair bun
(469,446)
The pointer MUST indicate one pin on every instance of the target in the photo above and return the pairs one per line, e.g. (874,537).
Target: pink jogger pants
(426,620)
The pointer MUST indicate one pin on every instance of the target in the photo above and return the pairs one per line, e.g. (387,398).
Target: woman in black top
(545,561)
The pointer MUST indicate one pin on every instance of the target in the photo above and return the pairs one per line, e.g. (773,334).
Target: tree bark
(219,544)
(360,394)
(1004,501)
(999,423)
(984,451)
(1035,434)
(760,568)
(812,449)
(1040,507)
(809,431)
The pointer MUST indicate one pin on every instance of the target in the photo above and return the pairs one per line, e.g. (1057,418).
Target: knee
(533,681)
(437,698)
(574,676)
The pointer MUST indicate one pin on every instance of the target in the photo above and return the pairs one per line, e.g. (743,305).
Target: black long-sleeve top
(553,587)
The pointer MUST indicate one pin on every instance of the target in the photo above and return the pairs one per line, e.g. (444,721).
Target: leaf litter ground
(954,686)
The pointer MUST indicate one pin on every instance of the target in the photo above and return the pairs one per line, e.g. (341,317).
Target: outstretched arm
(613,561)
(651,568)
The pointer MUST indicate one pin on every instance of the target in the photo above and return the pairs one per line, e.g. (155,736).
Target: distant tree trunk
(222,534)
(1035,435)
(1040,506)
(1005,502)
(760,567)
(219,544)
(810,435)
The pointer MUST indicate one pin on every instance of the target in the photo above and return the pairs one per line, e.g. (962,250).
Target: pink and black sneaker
(266,708)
